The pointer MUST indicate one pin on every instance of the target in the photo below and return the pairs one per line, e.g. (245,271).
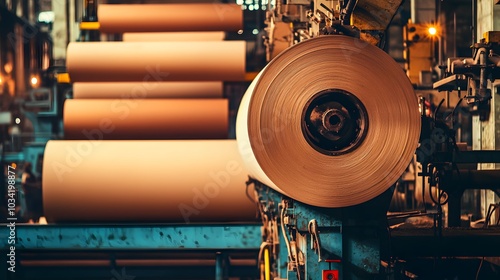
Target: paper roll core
(334,122)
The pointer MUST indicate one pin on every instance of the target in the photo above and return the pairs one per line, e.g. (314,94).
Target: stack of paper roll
(331,122)
(145,181)
(155,84)
(170,17)
(156,104)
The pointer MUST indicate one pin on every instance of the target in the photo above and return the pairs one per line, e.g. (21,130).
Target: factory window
(254,5)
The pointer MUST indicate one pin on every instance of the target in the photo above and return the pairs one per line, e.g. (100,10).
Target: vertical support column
(74,18)
(3,52)
(282,262)
(219,266)
(59,31)
(19,64)
(486,135)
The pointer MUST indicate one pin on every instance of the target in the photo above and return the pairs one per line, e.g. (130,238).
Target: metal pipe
(90,11)
(454,34)
(472,179)
(483,59)
(348,11)
(267,265)
(473,27)
(454,242)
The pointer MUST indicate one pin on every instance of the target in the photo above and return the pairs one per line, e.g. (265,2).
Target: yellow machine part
(373,15)
(88,25)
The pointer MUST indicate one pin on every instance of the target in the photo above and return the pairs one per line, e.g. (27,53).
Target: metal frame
(344,243)
(132,238)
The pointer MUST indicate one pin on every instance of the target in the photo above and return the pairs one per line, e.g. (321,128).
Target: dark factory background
(249,139)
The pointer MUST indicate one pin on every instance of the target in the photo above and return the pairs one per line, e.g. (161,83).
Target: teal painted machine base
(125,251)
(308,242)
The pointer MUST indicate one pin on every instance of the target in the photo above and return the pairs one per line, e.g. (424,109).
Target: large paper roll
(123,119)
(170,17)
(156,61)
(172,36)
(331,122)
(145,181)
(151,89)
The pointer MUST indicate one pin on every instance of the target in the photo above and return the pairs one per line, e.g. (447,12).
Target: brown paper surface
(173,36)
(169,17)
(156,61)
(145,181)
(122,119)
(269,123)
(107,90)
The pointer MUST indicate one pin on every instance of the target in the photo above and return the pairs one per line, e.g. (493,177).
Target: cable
(284,233)
(479,268)
(438,200)
(446,199)
(437,109)
(452,115)
(290,258)
(261,249)
(263,246)
(248,183)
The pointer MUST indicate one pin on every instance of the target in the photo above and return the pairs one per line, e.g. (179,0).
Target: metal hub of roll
(334,122)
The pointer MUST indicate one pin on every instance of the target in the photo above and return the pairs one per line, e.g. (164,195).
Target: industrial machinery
(442,160)
(290,22)
(308,242)
(295,239)
(31,98)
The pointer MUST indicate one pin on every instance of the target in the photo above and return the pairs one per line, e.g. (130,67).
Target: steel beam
(454,242)
(130,237)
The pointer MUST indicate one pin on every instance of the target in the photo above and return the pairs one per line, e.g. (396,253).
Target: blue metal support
(321,243)
(219,266)
(130,237)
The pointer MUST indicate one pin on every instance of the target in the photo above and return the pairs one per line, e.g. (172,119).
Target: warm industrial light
(18,120)
(432,31)
(34,81)
(8,67)
(1,80)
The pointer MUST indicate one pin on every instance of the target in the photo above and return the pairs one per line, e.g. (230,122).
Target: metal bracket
(315,240)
